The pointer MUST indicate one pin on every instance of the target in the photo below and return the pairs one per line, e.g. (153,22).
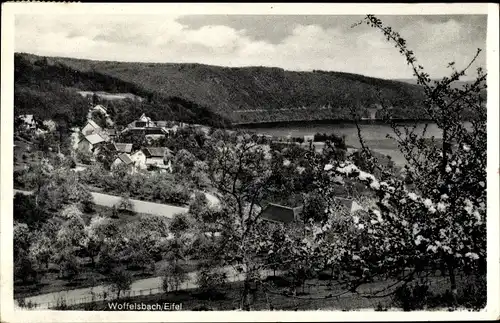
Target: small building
(155,158)
(122,147)
(281,214)
(143,122)
(139,159)
(91,128)
(90,142)
(123,159)
(100,108)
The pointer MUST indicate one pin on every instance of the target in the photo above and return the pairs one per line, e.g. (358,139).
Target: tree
(106,155)
(69,240)
(98,232)
(210,279)
(26,210)
(125,205)
(100,118)
(240,173)
(440,218)
(184,162)
(173,276)
(120,281)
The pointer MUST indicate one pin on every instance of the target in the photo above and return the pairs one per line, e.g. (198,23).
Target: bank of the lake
(374,133)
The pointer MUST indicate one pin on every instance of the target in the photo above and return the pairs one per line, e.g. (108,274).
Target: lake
(374,134)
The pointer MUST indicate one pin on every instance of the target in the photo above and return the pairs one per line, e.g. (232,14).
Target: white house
(91,128)
(90,142)
(155,158)
(143,122)
(309,138)
(139,159)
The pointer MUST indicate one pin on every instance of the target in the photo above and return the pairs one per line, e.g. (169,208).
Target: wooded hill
(214,95)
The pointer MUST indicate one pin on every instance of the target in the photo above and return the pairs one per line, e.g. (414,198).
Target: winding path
(165,210)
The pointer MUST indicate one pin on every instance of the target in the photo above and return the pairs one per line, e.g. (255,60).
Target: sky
(292,42)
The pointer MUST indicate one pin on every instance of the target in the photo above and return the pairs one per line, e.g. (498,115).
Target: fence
(108,295)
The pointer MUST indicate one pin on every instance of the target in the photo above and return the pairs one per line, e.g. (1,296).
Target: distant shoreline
(323,121)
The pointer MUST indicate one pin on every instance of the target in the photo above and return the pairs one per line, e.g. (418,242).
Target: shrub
(210,281)
(125,205)
(412,297)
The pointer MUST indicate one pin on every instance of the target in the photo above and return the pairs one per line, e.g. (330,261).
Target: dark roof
(282,214)
(344,202)
(125,158)
(146,131)
(155,151)
(123,147)
(155,131)
(111,132)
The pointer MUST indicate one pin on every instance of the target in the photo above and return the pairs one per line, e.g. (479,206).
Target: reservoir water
(374,134)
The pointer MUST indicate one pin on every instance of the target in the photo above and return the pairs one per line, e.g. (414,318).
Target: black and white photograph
(220,158)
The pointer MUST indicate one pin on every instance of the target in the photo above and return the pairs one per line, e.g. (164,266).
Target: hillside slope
(49,90)
(259,94)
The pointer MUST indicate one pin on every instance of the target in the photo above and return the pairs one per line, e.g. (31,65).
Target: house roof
(155,161)
(123,147)
(99,107)
(125,158)
(156,151)
(93,124)
(111,132)
(349,204)
(279,213)
(94,138)
(155,131)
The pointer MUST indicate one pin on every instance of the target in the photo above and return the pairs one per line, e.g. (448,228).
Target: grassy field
(313,297)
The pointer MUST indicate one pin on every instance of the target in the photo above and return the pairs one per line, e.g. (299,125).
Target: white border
(9,10)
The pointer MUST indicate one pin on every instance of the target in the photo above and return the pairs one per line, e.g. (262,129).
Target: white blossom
(441,207)
(413,196)
(472,255)
(419,240)
(432,247)
(468,206)
(328,167)
(364,176)
(444,197)
(347,169)
(286,163)
(361,226)
(355,257)
(466,147)
(402,201)
(375,185)
(448,168)
(355,219)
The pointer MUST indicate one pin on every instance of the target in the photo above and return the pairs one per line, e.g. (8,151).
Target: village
(293,164)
